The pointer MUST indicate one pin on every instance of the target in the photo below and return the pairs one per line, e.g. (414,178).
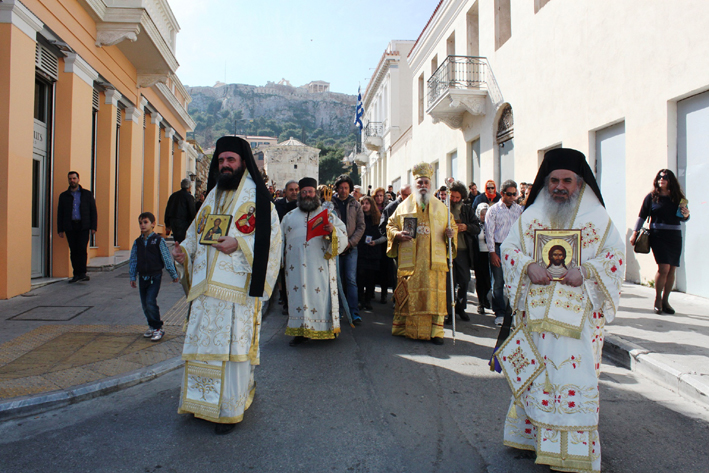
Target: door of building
(474,166)
(507,161)
(40,180)
(610,174)
(693,174)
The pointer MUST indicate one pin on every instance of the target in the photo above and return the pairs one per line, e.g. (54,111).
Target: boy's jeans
(149,289)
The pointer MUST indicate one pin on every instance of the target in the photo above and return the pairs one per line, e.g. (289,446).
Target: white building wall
(387,102)
(569,70)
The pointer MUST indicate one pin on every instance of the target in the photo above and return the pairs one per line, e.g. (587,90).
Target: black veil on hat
(563,158)
(263,206)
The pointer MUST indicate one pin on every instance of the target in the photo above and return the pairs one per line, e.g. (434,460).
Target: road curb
(640,360)
(106,267)
(29,405)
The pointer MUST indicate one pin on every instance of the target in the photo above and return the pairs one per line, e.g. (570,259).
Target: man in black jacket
(468,229)
(289,201)
(77,217)
(284,205)
(180,211)
(391,208)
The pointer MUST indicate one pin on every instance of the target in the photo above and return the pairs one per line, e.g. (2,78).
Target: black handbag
(642,242)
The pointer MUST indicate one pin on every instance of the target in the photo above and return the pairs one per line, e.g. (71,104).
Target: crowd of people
(546,257)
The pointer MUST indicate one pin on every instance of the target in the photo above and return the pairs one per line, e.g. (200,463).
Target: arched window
(505,126)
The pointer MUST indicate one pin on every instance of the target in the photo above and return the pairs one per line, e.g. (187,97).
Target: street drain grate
(51,313)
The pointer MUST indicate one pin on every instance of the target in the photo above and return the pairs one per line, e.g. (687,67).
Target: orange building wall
(130,180)
(105,177)
(150,168)
(140,177)
(72,151)
(16,132)
(165,174)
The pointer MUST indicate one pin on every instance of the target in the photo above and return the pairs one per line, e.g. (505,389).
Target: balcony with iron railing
(357,155)
(461,85)
(373,135)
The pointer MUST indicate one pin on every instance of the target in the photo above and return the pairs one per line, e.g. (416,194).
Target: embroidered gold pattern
(518,360)
(589,235)
(203,385)
(564,399)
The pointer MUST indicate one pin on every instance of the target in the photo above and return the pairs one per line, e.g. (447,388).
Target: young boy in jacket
(148,257)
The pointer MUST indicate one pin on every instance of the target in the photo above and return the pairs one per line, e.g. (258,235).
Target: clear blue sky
(300,40)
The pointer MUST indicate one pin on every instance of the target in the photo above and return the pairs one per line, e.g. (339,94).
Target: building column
(150,163)
(18,33)
(105,191)
(130,170)
(179,164)
(72,142)
(166,189)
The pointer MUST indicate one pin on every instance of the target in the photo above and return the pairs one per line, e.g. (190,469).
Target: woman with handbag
(666,207)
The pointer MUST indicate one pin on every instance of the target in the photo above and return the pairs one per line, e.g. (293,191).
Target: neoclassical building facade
(86,86)
(497,83)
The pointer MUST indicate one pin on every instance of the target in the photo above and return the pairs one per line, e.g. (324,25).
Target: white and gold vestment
(557,415)
(221,345)
(311,276)
(422,264)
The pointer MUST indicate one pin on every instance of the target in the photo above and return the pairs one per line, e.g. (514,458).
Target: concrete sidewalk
(62,343)
(671,349)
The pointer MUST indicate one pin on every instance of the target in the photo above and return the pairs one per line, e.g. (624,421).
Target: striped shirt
(498,222)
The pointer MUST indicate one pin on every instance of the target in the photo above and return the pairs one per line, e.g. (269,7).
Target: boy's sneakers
(149,333)
(157,335)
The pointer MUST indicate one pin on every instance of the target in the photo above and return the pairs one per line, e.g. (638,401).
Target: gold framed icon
(215,227)
(557,251)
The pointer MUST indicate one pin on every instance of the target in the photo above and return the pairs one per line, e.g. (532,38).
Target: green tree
(329,168)
(354,174)
(285,135)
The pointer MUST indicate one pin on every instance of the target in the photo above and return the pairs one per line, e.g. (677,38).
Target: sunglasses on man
(510,194)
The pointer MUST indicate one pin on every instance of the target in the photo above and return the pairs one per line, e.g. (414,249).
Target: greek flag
(359,111)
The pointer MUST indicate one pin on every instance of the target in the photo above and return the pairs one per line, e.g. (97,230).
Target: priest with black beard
(226,283)
(312,238)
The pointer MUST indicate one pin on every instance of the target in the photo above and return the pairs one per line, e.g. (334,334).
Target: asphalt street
(366,402)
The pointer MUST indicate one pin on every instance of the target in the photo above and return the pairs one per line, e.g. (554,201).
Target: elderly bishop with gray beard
(557,413)
(417,236)
(310,268)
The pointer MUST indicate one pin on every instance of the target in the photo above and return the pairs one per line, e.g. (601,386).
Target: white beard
(560,214)
(422,199)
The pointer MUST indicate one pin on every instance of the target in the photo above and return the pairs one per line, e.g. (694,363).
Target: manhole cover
(51,313)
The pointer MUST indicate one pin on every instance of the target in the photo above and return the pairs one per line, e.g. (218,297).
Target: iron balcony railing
(463,72)
(374,129)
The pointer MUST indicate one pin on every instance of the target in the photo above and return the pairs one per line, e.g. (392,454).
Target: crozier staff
(422,261)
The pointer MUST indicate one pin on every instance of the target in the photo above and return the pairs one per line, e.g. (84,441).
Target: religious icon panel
(557,251)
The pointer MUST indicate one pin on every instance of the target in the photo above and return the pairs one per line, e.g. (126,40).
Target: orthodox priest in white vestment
(310,266)
(556,415)
(226,282)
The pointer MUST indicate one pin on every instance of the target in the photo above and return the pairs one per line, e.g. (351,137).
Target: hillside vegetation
(322,120)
